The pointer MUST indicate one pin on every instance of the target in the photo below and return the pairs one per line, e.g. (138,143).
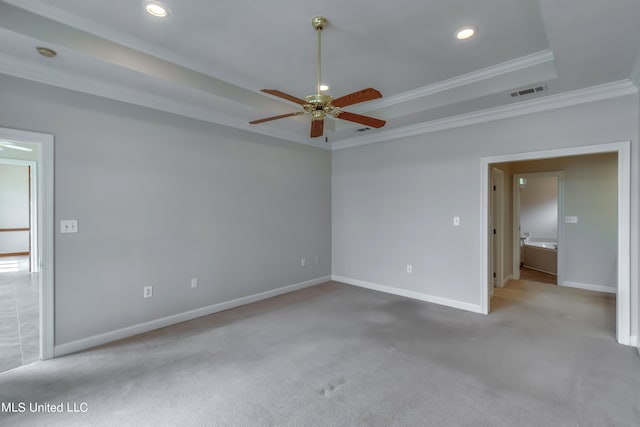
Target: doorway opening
(574,263)
(19,264)
(537,207)
(26,270)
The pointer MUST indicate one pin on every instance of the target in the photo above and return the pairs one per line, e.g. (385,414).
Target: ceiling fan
(319,105)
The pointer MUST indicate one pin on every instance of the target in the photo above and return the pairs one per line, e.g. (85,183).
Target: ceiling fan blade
(356,97)
(363,120)
(284,96)
(317,128)
(282,116)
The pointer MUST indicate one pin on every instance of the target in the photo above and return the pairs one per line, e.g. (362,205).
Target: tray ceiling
(208,60)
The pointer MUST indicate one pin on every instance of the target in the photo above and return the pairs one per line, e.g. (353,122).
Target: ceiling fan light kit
(320,105)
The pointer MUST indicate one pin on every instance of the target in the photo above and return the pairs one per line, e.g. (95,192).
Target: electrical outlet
(409,268)
(148,291)
(194,282)
(570,219)
(456,221)
(303,262)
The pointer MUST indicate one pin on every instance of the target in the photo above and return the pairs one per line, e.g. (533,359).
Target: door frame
(496,252)
(623,150)
(45,227)
(559,226)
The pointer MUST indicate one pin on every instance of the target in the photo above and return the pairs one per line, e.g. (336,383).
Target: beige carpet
(335,355)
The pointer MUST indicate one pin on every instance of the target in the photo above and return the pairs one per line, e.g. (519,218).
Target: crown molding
(100,30)
(462,80)
(551,102)
(43,74)
(81,42)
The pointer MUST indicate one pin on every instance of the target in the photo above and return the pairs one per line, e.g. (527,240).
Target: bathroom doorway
(594,247)
(537,208)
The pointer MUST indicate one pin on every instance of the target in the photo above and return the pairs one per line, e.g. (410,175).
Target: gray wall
(393,202)
(161,199)
(539,207)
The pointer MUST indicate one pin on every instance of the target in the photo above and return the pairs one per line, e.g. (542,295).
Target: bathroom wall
(539,207)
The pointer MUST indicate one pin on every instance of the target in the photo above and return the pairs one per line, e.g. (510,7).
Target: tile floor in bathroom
(19,313)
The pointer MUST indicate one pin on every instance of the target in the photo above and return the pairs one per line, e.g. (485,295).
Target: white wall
(161,199)
(539,207)
(14,207)
(393,202)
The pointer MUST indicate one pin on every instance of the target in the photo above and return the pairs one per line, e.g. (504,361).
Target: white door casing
(623,150)
(45,226)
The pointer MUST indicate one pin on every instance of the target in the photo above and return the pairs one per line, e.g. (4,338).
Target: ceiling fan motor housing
(319,100)
(318,105)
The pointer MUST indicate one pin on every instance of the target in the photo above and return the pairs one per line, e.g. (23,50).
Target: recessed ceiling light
(156,8)
(324,87)
(465,33)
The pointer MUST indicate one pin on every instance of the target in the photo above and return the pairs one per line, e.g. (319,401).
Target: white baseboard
(504,282)
(107,337)
(588,287)
(540,270)
(409,294)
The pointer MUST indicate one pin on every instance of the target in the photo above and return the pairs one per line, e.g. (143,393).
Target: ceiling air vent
(528,91)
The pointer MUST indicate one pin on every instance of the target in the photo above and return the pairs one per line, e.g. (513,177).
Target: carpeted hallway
(337,355)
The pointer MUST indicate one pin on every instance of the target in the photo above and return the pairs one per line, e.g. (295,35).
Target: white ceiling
(209,60)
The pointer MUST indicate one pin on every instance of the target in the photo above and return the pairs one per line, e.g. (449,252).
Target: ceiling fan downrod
(319,22)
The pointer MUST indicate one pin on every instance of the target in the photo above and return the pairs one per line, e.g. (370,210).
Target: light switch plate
(69,226)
